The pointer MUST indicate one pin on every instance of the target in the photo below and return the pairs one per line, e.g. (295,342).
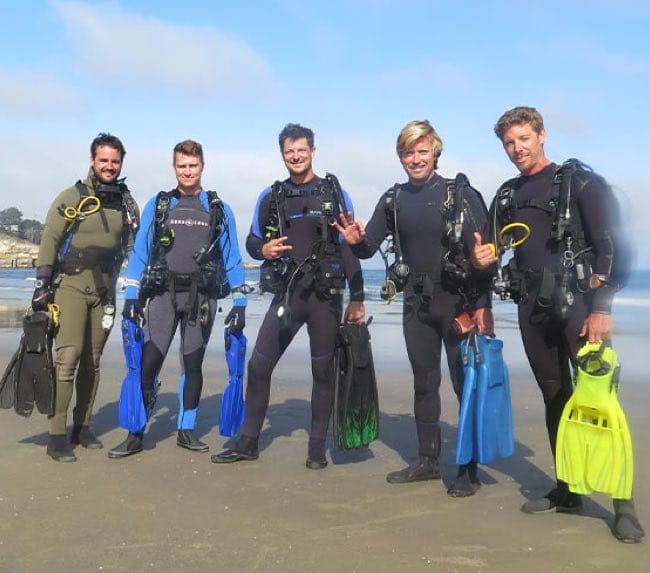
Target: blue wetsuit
(178,302)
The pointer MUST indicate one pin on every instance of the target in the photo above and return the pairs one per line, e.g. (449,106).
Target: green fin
(356,407)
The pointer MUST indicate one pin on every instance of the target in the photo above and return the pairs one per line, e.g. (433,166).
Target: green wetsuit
(85,282)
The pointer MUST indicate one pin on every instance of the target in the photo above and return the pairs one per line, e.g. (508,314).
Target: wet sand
(167,509)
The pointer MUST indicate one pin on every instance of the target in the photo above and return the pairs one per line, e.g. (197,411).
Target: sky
(231,74)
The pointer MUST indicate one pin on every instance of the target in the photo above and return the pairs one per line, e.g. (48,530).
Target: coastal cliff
(16,252)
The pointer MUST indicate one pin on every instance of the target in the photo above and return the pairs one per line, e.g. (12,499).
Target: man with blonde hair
(422,215)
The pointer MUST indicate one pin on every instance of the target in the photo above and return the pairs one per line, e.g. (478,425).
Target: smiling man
(432,270)
(88,230)
(185,258)
(306,266)
(559,306)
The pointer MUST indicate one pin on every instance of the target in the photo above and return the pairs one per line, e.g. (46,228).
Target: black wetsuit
(302,225)
(431,301)
(550,343)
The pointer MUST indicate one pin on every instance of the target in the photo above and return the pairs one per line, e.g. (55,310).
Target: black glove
(236,319)
(43,295)
(132,309)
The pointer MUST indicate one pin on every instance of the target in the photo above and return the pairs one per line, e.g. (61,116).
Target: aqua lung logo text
(188,223)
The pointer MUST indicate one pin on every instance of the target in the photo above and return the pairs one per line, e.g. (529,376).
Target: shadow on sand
(397,432)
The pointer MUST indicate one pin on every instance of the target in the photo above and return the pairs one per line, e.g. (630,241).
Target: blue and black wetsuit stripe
(322,315)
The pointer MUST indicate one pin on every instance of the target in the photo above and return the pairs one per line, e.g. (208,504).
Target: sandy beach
(168,509)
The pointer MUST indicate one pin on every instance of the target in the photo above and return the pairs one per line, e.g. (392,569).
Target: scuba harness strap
(324,265)
(457,271)
(457,268)
(211,275)
(557,286)
(329,275)
(72,260)
(396,272)
(274,274)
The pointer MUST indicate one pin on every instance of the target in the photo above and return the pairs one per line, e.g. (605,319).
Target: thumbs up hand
(483,254)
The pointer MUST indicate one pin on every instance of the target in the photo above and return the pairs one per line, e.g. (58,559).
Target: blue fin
(485,418)
(132,415)
(232,401)
(466,442)
(494,422)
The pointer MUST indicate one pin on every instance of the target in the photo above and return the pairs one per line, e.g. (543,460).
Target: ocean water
(631,305)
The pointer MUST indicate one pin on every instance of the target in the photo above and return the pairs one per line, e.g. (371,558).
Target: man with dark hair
(88,231)
(431,220)
(106,139)
(296,131)
(185,258)
(558,310)
(306,267)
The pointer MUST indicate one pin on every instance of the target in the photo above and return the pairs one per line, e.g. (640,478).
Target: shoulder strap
(217,215)
(161,215)
(130,221)
(217,226)
(335,187)
(453,207)
(390,207)
(163,201)
(276,220)
(569,179)
(502,208)
(82,188)
(331,201)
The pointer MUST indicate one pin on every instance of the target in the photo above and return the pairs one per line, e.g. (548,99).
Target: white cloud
(35,95)
(150,54)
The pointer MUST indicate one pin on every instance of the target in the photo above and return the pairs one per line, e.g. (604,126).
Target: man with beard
(88,231)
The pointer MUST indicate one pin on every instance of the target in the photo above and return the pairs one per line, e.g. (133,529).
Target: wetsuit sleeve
(376,231)
(598,209)
(351,261)
(476,220)
(54,232)
(141,253)
(255,240)
(232,258)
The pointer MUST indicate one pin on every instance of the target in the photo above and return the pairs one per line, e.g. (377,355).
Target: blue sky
(232,74)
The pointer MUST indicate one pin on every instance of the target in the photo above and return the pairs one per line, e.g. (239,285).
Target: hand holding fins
(29,377)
